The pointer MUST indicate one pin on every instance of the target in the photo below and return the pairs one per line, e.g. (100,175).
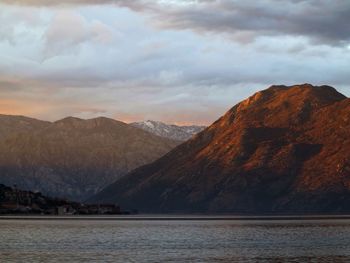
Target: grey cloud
(54,2)
(134,75)
(321,21)
(135,4)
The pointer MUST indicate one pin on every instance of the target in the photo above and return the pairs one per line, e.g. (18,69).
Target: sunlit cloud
(175,61)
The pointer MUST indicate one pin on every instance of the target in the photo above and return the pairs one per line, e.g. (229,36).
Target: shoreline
(178,217)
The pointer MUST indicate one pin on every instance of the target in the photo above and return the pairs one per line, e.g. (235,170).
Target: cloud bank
(176,61)
(322,21)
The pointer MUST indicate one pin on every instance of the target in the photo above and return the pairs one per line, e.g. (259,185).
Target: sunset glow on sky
(174,61)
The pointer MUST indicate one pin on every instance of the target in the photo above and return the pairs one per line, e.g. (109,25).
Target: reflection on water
(174,241)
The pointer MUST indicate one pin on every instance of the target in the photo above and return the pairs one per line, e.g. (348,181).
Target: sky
(177,61)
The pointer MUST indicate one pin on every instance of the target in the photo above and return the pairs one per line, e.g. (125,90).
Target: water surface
(175,241)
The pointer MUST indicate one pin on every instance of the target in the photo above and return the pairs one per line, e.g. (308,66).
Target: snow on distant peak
(178,133)
(149,124)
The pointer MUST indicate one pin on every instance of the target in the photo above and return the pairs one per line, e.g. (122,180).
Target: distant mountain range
(170,131)
(283,150)
(73,158)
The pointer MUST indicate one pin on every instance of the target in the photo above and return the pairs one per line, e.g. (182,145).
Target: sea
(173,239)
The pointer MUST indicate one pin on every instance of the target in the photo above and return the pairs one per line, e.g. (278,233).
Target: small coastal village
(15,201)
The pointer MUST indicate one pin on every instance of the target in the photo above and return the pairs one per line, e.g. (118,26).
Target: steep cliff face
(75,158)
(284,149)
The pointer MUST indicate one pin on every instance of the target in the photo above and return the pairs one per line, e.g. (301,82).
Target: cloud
(56,2)
(134,4)
(322,21)
(13,20)
(68,30)
(176,61)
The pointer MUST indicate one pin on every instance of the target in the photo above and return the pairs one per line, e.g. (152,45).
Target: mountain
(283,150)
(73,158)
(174,132)
(12,124)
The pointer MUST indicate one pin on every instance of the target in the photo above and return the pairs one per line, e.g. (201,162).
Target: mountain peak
(102,121)
(283,104)
(304,92)
(170,131)
(69,119)
(73,157)
(284,150)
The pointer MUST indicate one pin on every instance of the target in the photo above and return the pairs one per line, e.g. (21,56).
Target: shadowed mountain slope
(74,158)
(284,149)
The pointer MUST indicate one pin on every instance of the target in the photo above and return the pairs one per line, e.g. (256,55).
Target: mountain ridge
(74,158)
(273,152)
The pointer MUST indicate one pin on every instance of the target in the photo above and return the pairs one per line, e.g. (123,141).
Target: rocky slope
(283,150)
(174,132)
(13,124)
(73,158)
